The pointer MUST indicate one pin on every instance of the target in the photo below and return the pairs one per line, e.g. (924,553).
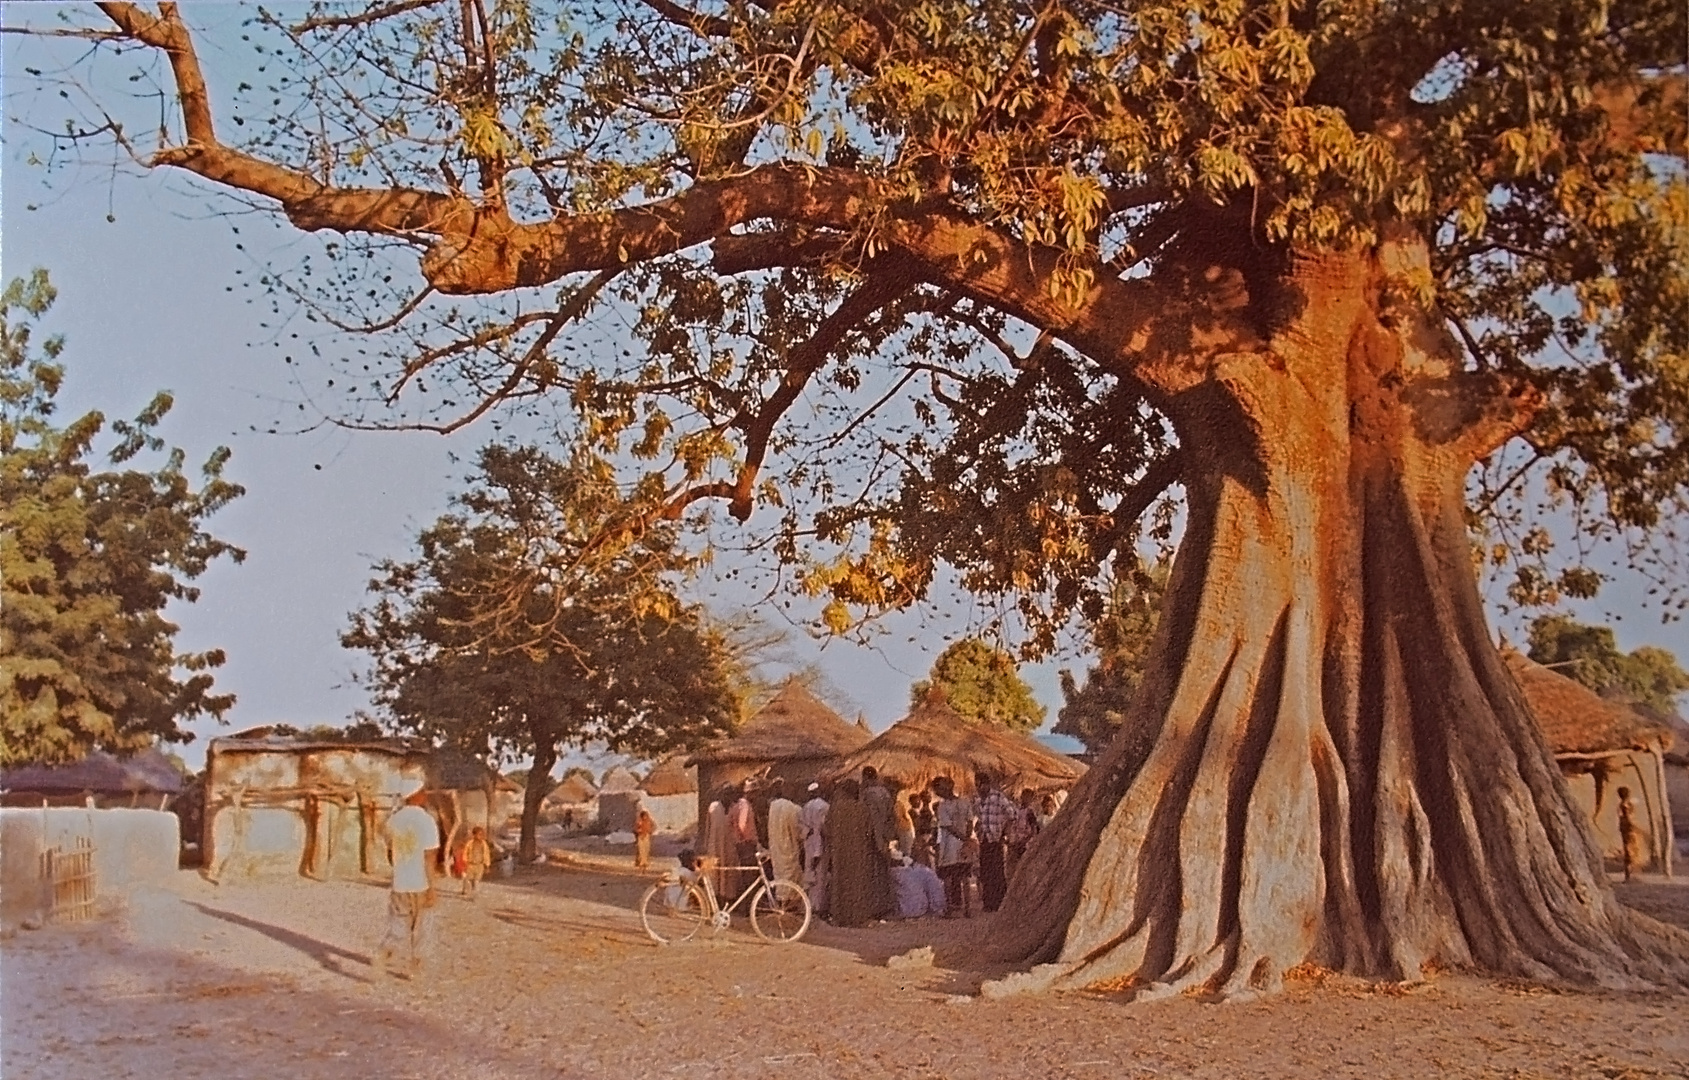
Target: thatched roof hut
(934,741)
(1577,720)
(796,736)
(576,788)
(796,724)
(144,775)
(616,779)
(671,776)
(1602,745)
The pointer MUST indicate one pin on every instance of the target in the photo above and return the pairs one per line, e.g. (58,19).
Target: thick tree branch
(479,249)
(1647,114)
(696,21)
(748,252)
(1161,475)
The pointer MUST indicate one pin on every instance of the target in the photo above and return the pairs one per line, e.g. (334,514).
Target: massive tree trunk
(1327,762)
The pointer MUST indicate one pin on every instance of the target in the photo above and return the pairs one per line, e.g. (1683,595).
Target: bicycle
(674,909)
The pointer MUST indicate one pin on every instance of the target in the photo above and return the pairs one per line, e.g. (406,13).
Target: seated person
(692,866)
(918,889)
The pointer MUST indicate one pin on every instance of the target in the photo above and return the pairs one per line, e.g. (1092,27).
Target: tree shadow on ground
(328,957)
(182,1015)
(958,966)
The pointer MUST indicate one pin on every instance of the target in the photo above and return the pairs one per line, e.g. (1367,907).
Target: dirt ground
(549,975)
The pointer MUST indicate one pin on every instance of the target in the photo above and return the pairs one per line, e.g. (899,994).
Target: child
(477,856)
(643,826)
(1630,837)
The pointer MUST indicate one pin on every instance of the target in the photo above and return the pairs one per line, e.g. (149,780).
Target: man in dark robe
(878,799)
(859,873)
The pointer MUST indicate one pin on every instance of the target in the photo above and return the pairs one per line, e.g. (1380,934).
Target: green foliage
(1094,711)
(532,618)
(982,684)
(1535,149)
(1590,654)
(89,559)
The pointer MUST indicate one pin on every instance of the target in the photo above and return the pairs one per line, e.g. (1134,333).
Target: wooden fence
(72,876)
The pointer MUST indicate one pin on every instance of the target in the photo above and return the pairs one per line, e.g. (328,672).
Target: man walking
(995,814)
(413,842)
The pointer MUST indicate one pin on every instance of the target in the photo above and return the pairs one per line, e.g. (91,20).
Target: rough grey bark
(1327,762)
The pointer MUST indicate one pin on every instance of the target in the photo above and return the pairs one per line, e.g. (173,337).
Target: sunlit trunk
(1327,762)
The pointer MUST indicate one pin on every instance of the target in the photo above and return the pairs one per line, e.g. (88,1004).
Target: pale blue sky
(146,304)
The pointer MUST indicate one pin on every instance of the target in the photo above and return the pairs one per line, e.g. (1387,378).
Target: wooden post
(1668,847)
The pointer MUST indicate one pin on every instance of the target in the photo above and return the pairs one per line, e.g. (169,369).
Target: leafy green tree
(1590,654)
(517,630)
(89,559)
(975,283)
(983,685)
(1094,711)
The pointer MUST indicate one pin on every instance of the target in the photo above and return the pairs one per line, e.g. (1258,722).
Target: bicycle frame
(668,917)
(763,878)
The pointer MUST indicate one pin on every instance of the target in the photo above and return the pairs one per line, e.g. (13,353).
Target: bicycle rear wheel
(780,911)
(673,912)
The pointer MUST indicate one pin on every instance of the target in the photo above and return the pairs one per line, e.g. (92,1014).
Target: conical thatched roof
(1576,719)
(935,741)
(671,776)
(795,725)
(575,788)
(618,778)
(99,772)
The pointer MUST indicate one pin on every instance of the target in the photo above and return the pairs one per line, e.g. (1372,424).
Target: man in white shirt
(814,813)
(413,843)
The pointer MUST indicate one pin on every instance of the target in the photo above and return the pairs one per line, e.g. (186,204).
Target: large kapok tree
(1310,261)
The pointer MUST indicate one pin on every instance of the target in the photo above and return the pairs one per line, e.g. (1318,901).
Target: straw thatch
(618,779)
(99,773)
(1577,720)
(934,741)
(576,788)
(796,725)
(671,776)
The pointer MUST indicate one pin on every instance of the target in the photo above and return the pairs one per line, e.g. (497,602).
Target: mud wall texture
(1599,799)
(131,847)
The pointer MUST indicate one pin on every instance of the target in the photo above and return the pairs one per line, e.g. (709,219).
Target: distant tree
(1590,654)
(982,684)
(520,628)
(1093,712)
(89,560)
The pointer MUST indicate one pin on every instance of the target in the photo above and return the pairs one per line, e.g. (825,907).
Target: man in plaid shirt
(995,813)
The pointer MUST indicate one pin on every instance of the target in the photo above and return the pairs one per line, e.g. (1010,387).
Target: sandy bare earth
(549,975)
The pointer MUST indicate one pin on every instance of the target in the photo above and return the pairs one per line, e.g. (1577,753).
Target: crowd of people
(864,851)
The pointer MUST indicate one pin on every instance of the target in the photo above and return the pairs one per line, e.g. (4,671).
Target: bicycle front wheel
(780,911)
(673,912)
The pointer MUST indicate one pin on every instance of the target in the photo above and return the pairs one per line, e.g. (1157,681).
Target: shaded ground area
(549,975)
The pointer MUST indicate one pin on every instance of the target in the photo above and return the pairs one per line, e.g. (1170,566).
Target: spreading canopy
(803,210)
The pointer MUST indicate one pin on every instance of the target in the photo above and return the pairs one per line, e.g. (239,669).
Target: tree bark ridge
(1328,762)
